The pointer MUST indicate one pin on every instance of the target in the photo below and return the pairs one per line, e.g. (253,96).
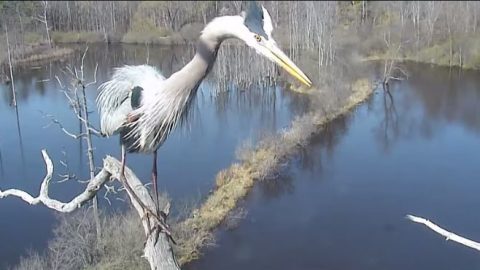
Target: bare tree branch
(448,235)
(157,250)
(94,77)
(92,188)
(55,121)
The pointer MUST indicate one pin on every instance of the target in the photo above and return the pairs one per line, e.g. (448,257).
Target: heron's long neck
(198,68)
(192,74)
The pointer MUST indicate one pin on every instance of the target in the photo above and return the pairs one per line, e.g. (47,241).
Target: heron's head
(257,34)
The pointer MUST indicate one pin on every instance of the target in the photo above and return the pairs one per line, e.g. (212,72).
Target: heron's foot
(159,225)
(158,228)
(132,118)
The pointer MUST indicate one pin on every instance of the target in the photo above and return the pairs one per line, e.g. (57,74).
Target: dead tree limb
(92,188)
(448,235)
(11,68)
(77,98)
(158,252)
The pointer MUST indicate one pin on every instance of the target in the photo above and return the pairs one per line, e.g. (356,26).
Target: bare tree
(43,19)
(76,96)
(14,102)
(432,14)
(390,65)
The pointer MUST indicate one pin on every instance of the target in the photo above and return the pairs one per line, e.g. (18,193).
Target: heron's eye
(258,38)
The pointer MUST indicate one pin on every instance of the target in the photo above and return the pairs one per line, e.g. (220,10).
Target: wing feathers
(114,100)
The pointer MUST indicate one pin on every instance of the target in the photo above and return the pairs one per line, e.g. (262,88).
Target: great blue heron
(143,106)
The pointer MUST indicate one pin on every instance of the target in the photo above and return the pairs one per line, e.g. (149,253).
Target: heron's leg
(123,180)
(154,180)
(124,159)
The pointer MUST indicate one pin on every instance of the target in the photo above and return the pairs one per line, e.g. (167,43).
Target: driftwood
(158,251)
(448,235)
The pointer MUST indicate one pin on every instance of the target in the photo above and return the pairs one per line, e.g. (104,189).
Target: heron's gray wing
(116,120)
(113,103)
(114,99)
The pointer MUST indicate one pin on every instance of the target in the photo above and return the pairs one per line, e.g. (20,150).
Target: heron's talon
(163,215)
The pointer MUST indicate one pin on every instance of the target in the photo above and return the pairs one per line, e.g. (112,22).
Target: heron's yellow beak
(281,59)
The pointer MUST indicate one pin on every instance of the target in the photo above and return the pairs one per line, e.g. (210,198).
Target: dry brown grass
(49,54)
(74,244)
(234,183)
(77,37)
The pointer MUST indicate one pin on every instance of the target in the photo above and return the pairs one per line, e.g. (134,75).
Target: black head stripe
(254,19)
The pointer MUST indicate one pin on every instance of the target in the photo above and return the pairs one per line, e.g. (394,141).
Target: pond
(342,203)
(224,118)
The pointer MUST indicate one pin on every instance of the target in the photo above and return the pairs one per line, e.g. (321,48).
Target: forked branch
(157,250)
(92,188)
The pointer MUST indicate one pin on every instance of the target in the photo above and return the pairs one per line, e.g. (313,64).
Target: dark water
(187,162)
(342,205)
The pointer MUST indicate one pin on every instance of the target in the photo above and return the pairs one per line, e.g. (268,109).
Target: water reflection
(20,139)
(388,130)
(410,149)
(433,97)
(308,159)
(2,171)
(279,186)
(312,161)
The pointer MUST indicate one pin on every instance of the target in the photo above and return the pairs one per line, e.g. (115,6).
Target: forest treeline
(431,31)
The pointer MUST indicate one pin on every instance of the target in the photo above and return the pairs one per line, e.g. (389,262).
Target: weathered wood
(448,235)
(158,252)
(93,186)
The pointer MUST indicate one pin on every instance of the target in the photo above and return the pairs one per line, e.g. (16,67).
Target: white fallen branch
(448,235)
(157,251)
(92,188)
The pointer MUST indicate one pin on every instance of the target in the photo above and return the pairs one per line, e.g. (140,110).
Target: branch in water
(448,235)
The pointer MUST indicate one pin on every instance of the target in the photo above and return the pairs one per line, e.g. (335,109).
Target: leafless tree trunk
(43,19)
(390,62)
(88,138)
(22,32)
(432,13)
(80,107)
(11,68)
